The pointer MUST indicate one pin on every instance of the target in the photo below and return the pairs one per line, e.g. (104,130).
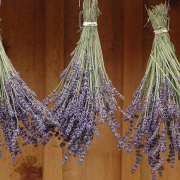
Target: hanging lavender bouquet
(85,91)
(20,113)
(158,99)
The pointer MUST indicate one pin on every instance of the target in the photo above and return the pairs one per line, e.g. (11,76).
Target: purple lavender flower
(18,103)
(85,92)
(154,111)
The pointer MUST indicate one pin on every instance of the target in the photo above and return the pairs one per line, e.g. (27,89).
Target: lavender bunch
(20,113)
(157,100)
(85,91)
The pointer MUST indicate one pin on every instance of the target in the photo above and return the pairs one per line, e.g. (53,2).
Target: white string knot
(89,23)
(161,31)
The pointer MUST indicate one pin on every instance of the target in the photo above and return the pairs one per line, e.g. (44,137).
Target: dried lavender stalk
(85,91)
(158,99)
(17,104)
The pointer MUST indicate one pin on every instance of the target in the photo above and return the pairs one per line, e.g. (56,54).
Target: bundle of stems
(85,91)
(20,113)
(157,100)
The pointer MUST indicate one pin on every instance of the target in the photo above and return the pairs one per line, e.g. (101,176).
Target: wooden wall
(38,36)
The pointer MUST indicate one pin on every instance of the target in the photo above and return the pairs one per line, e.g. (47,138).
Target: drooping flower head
(20,113)
(155,109)
(85,92)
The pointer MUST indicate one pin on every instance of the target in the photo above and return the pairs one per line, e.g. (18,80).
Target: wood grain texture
(54,65)
(133,18)
(22,25)
(39,37)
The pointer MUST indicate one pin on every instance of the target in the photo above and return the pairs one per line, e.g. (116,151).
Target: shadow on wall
(6,45)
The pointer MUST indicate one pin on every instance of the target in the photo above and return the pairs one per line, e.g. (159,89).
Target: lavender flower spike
(85,91)
(18,103)
(156,101)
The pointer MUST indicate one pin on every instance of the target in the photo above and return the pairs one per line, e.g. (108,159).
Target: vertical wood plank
(39,36)
(22,28)
(54,65)
(133,11)
(103,159)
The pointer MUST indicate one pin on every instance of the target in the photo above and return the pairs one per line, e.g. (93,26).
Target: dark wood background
(38,36)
